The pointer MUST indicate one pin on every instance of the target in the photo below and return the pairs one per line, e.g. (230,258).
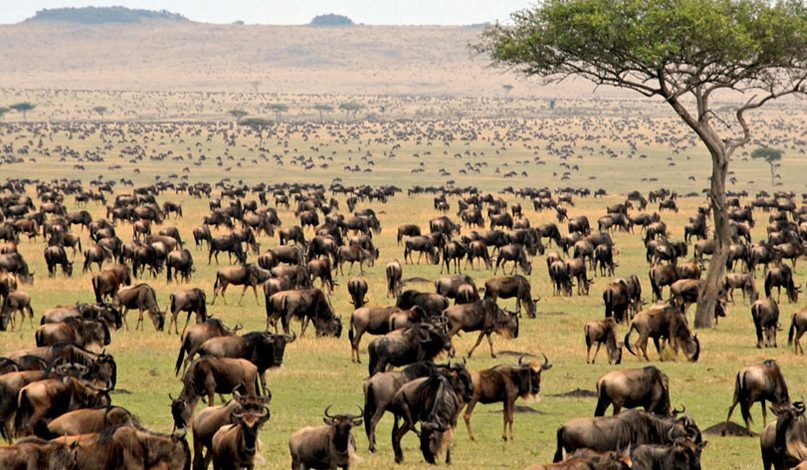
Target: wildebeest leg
(243,291)
(467,417)
(507,417)
(187,320)
(139,320)
(596,351)
(255,291)
(764,413)
(659,349)
(490,343)
(125,321)
(643,346)
(398,434)
(478,341)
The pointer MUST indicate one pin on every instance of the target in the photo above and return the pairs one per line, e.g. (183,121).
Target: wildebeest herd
(56,396)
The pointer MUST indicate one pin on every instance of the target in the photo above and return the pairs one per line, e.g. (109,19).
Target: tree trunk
(704,315)
(773,180)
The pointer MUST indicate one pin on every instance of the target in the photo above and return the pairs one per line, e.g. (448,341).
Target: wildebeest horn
(170,397)
(264,411)
(326,412)
(291,338)
(546,365)
(180,435)
(670,434)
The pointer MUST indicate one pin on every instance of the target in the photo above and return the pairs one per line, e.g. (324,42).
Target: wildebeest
(234,445)
(44,400)
(95,254)
(798,326)
(180,261)
(355,254)
(143,298)
(421,245)
(230,244)
(432,304)
(197,334)
(780,275)
(248,275)
(33,453)
(483,316)
(517,255)
(329,446)
(647,387)
(15,264)
(765,313)
(420,342)
(357,288)
(394,276)
(107,282)
(192,301)
(602,332)
(90,420)
(373,320)
(56,256)
(307,305)
(744,282)
(505,383)
(15,302)
(608,433)
(74,330)
(660,322)
(682,453)
(758,383)
(622,297)
(508,287)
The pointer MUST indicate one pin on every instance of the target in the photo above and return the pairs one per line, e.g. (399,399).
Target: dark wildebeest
(508,287)
(329,446)
(14,263)
(435,402)
(483,316)
(422,245)
(663,322)
(408,230)
(610,433)
(455,252)
(41,401)
(603,332)
(449,286)
(357,287)
(85,421)
(680,454)
(230,244)
(355,254)
(307,305)
(765,313)
(74,330)
(180,261)
(432,304)
(758,383)
(780,275)
(420,342)
(95,254)
(394,273)
(198,334)
(14,302)
(106,313)
(143,298)
(661,275)
(505,383)
(380,389)
(56,256)
(107,282)
(744,282)
(647,387)
(559,276)
(798,326)
(291,234)
(234,445)
(192,301)
(373,320)
(33,453)
(517,255)
(784,442)
(478,249)
(622,298)
(265,350)
(200,234)
(247,275)
(320,268)
(604,260)
(576,268)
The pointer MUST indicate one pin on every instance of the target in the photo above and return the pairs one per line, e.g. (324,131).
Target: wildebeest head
(277,343)
(506,323)
(250,422)
(529,376)
(341,425)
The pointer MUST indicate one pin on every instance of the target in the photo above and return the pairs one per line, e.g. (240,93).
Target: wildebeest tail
(559,451)
(792,331)
(602,400)
(39,336)
(369,408)
(23,411)
(741,395)
(626,341)
(96,289)
(185,345)
(350,330)
(172,301)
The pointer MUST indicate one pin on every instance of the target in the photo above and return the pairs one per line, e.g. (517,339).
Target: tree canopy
(99,15)
(258,125)
(3,111)
(238,114)
(771,156)
(23,108)
(331,19)
(683,51)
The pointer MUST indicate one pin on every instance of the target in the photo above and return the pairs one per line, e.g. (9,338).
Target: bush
(99,15)
(331,19)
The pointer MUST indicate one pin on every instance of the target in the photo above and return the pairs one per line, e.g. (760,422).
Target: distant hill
(101,15)
(331,19)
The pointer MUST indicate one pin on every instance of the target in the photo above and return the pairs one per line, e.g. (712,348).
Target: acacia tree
(771,156)
(323,108)
(3,111)
(258,125)
(682,51)
(23,108)
(101,110)
(278,109)
(238,114)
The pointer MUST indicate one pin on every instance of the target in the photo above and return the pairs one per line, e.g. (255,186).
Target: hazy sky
(296,11)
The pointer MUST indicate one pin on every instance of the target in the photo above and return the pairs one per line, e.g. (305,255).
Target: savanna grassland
(167,119)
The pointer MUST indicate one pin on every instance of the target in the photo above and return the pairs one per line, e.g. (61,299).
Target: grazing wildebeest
(74,330)
(357,288)
(200,234)
(420,342)
(610,433)
(247,275)
(449,286)
(107,282)
(798,326)
(307,305)
(744,282)
(15,264)
(33,453)
(660,322)
(478,249)
(14,302)
(355,254)
(681,453)
(41,401)
(602,332)
(56,256)
(505,383)
(230,244)
(517,255)
(647,387)
(508,287)
(321,268)
(95,254)
(143,298)
(408,230)
(661,275)
(780,275)
(192,301)
(432,304)
(758,383)
(329,446)
(181,261)
(765,313)
(483,316)
(394,273)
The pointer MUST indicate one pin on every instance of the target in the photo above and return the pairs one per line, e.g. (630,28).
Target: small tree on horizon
(350,108)
(238,114)
(278,109)
(101,110)
(258,125)
(507,89)
(771,156)
(3,111)
(23,108)
(683,52)
(323,108)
